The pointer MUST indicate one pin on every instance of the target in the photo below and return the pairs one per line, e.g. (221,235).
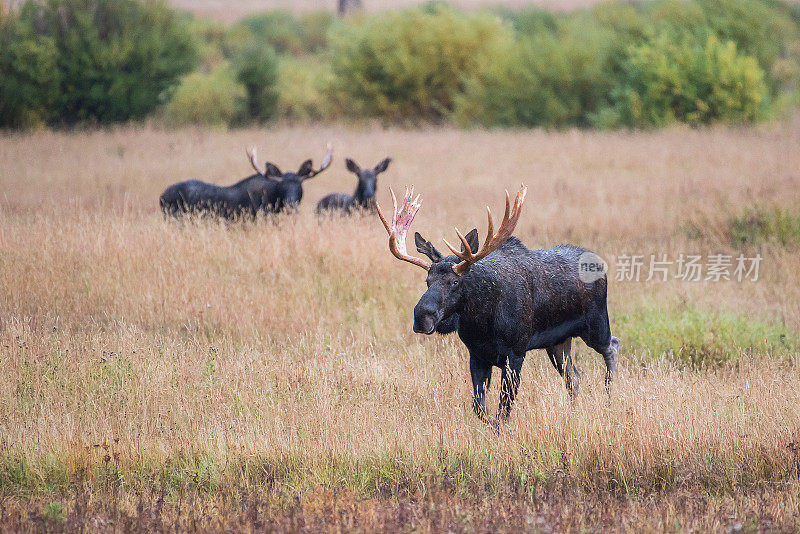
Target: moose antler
(326,162)
(493,240)
(251,155)
(401,222)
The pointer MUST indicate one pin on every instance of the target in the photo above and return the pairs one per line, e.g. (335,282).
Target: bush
(208,99)
(702,339)
(303,85)
(29,77)
(666,80)
(412,65)
(760,225)
(279,29)
(256,69)
(115,60)
(551,79)
(759,30)
(529,21)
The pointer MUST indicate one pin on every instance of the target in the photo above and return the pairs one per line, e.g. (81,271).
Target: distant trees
(102,61)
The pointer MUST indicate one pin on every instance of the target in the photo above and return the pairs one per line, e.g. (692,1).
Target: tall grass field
(201,375)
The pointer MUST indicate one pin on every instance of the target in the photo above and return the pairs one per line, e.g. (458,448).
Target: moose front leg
(481,375)
(509,386)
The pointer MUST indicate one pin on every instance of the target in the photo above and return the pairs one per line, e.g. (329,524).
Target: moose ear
(352,166)
(273,171)
(305,168)
(424,247)
(472,239)
(380,167)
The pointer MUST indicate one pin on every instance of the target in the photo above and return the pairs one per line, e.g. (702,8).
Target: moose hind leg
(572,377)
(610,355)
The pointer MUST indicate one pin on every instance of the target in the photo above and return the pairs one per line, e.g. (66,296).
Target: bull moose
(267,191)
(504,300)
(364,196)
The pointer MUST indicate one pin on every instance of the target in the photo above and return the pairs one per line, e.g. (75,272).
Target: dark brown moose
(267,191)
(504,300)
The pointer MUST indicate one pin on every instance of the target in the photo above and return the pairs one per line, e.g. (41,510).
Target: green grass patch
(702,338)
(760,225)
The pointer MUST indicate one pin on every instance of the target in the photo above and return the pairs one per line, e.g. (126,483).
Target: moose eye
(454,282)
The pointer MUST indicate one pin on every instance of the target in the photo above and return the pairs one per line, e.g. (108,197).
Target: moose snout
(425,319)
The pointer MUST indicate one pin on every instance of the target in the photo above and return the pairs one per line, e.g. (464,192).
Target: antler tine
(383,219)
(326,162)
(493,240)
(466,252)
(251,154)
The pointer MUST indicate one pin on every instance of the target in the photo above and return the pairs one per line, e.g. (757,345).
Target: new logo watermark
(591,267)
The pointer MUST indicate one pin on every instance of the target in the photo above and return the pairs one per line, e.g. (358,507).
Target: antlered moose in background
(364,196)
(504,300)
(267,191)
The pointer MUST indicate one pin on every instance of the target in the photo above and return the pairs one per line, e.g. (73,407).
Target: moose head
(367,181)
(290,184)
(446,274)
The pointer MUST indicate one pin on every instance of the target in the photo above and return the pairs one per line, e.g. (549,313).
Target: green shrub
(210,40)
(551,79)
(412,65)
(208,99)
(116,60)
(277,28)
(303,89)
(256,67)
(760,225)
(29,77)
(529,21)
(667,80)
(700,338)
(759,29)
(314,31)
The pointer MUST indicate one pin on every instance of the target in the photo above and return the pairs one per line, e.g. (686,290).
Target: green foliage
(412,65)
(277,28)
(210,40)
(665,80)
(758,29)
(761,225)
(209,99)
(29,79)
(303,85)
(256,67)
(700,338)
(283,32)
(54,512)
(529,21)
(115,60)
(551,79)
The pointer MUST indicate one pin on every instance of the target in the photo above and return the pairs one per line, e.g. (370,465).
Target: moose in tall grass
(505,300)
(267,191)
(364,196)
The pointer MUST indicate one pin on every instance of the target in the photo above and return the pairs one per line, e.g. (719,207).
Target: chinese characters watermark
(687,268)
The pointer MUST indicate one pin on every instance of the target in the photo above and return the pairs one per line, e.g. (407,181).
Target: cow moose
(504,300)
(364,196)
(267,191)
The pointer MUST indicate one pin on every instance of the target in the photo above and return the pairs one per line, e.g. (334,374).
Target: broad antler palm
(493,240)
(401,222)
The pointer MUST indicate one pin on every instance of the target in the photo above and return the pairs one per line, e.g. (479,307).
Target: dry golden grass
(275,358)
